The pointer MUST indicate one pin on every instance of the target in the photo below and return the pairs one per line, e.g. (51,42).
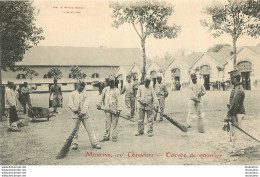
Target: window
(95,75)
(175,72)
(245,66)
(20,76)
(38,84)
(153,74)
(64,84)
(205,70)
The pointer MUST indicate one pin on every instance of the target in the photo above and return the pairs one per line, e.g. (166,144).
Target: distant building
(176,74)
(97,63)
(213,67)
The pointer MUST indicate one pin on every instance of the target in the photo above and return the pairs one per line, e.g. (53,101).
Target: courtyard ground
(39,143)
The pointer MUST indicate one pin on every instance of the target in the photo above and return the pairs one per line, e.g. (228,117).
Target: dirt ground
(38,143)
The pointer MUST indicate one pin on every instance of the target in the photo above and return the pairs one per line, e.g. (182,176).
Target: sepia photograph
(130,82)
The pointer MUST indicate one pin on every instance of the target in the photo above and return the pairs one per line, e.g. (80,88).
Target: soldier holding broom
(147,98)
(79,105)
(194,106)
(110,101)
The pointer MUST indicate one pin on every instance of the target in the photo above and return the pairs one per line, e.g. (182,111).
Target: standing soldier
(110,100)
(161,93)
(129,96)
(236,112)
(79,105)
(26,91)
(55,92)
(194,106)
(147,99)
(11,105)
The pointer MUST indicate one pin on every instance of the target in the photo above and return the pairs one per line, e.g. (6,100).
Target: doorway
(246,80)
(206,81)
(245,67)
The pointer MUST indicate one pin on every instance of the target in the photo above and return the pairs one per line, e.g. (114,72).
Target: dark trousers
(25,102)
(13,117)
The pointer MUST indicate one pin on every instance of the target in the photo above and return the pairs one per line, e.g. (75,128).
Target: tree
(54,73)
(147,18)
(30,73)
(18,32)
(76,72)
(236,18)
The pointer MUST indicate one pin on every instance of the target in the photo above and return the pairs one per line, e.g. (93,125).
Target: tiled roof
(69,56)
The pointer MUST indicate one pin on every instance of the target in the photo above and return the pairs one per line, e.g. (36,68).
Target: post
(1,86)
(234,53)
(144,59)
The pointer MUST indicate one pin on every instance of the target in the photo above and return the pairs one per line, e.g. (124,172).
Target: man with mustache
(147,99)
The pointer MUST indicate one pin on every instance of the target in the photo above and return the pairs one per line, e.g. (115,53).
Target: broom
(66,147)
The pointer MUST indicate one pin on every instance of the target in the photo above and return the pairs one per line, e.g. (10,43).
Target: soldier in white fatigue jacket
(79,105)
(147,98)
(111,101)
(194,106)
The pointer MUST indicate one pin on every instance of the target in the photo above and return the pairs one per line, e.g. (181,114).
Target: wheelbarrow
(39,112)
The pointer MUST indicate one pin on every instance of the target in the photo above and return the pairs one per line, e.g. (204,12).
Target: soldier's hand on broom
(81,115)
(142,102)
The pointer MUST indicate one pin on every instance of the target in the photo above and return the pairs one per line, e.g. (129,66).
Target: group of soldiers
(150,97)
(146,98)
(110,100)
(16,99)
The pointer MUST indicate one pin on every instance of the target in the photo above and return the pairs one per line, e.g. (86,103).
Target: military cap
(9,83)
(234,73)
(193,76)
(111,78)
(82,83)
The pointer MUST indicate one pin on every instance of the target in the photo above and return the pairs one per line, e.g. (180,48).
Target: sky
(91,26)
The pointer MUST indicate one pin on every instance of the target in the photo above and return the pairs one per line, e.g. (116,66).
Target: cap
(128,76)
(82,83)
(193,76)
(111,78)
(234,73)
(9,83)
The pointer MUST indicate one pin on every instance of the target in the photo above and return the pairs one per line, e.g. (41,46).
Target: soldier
(26,91)
(110,100)
(79,105)
(194,106)
(11,105)
(236,112)
(161,93)
(56,93)
(129,96)
(147,99)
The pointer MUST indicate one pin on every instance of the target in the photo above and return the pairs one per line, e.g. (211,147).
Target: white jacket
(110,99)
(79,102)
